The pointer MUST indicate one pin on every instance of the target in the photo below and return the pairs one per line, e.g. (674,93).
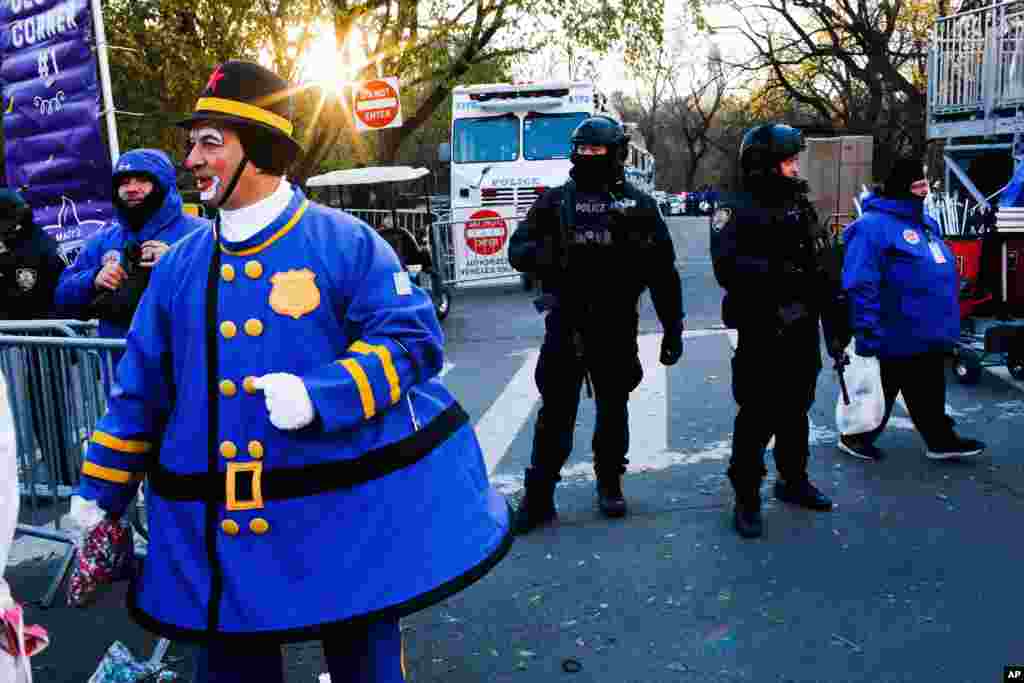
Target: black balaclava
(136,216)
(15,216)
(904,173)
(598,171)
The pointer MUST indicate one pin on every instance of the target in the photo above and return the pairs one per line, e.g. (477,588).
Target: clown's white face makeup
(213,157)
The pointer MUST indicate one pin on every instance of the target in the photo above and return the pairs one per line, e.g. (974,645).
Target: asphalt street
(915,576)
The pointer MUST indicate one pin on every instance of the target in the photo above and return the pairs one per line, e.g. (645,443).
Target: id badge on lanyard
(936,250)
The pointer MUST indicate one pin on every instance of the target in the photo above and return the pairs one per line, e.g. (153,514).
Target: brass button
(254,269)
(228,449)
(228,329)
(228,388)
(259,526)
(230,527)
(253,327)
(256,449)
(248,383)
(227,272)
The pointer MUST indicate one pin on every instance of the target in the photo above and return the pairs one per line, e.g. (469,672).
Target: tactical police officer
(595,243)
(780,272)
(30,264)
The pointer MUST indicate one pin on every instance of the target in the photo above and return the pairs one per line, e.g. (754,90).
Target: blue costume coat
(76,289)
(902,280)
(380,507)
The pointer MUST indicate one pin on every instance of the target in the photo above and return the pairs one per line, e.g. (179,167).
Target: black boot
(747,515)
(802,493)
(609,495)
(537,506)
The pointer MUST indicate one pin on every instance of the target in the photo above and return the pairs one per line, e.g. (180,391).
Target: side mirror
(444,152)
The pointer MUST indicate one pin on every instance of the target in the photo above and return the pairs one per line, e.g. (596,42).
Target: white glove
(84,516)
(288,400)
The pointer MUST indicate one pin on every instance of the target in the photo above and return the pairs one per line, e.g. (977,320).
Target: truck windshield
(494,138)
(546,136)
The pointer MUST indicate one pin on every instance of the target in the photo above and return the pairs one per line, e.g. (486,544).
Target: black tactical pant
(922,380)
(614,370)
(773,381)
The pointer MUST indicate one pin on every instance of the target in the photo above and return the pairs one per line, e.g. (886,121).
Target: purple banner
(55,154)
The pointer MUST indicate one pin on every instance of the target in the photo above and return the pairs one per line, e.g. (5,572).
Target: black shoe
(956,448)
(537,506)
(803,494)
(533,512)
(609,496)
(864,451)
(747,517)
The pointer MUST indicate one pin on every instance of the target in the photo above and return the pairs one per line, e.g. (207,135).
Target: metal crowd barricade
(447,251)
(57,397)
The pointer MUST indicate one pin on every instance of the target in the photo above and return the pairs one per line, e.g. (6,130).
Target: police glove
(288,401)
(547,254)
(672,345)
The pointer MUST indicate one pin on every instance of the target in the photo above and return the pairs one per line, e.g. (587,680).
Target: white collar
(239,225)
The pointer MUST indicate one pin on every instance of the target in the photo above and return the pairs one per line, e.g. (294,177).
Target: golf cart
(405,220)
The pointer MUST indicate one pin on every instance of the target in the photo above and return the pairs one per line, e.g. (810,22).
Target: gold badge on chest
(294,293)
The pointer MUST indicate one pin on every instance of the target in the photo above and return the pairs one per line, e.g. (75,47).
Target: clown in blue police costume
(309,475)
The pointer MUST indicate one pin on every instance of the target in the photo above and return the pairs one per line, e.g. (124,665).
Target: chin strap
(234,181)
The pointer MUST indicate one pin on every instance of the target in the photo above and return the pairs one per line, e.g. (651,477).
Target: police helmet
(15,213)
(764,147)
(602,130)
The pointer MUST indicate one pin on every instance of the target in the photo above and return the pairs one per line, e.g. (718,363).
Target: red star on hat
(215,78)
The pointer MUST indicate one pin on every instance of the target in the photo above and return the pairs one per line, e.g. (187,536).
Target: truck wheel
(966,367)
(443,303)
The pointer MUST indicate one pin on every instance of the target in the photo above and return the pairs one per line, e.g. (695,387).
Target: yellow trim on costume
(273,238)
(256,502)
(109,473)
(384,354)
(362,384)
(246,111)
(116,444)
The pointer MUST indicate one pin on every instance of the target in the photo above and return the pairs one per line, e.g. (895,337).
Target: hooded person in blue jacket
(902,281)
(108,278)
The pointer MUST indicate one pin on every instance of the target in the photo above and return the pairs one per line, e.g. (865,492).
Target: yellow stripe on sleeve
(116,444)
(363,385)
(384,354)
(109,473)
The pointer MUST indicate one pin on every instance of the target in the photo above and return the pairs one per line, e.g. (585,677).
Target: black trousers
(614,371)
(774,377)
(922,380)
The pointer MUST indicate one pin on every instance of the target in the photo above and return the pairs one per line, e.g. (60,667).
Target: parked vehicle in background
(676,206)
(509,144)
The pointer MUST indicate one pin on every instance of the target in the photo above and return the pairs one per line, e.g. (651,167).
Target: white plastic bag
(867,402)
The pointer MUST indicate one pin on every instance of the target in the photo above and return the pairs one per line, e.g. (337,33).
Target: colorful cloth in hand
(105,557)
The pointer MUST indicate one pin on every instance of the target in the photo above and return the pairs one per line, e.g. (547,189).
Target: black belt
(248,492)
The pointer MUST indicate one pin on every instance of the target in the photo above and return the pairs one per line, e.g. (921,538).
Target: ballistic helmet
(602,130)
(764,147)
(15,213)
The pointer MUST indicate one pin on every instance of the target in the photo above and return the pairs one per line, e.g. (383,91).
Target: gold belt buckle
(254,503)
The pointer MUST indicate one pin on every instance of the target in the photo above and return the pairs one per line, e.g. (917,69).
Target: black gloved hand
(672,346)
(547,254)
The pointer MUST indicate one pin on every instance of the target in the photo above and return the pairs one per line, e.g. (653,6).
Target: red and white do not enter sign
(486,232)
(378,104)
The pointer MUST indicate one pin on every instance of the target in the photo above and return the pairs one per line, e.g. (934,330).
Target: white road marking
(509,413)
(649,428)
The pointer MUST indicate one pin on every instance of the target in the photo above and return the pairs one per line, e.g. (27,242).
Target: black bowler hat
(249,94)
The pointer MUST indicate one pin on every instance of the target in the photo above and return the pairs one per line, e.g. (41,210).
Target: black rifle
(841,361)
